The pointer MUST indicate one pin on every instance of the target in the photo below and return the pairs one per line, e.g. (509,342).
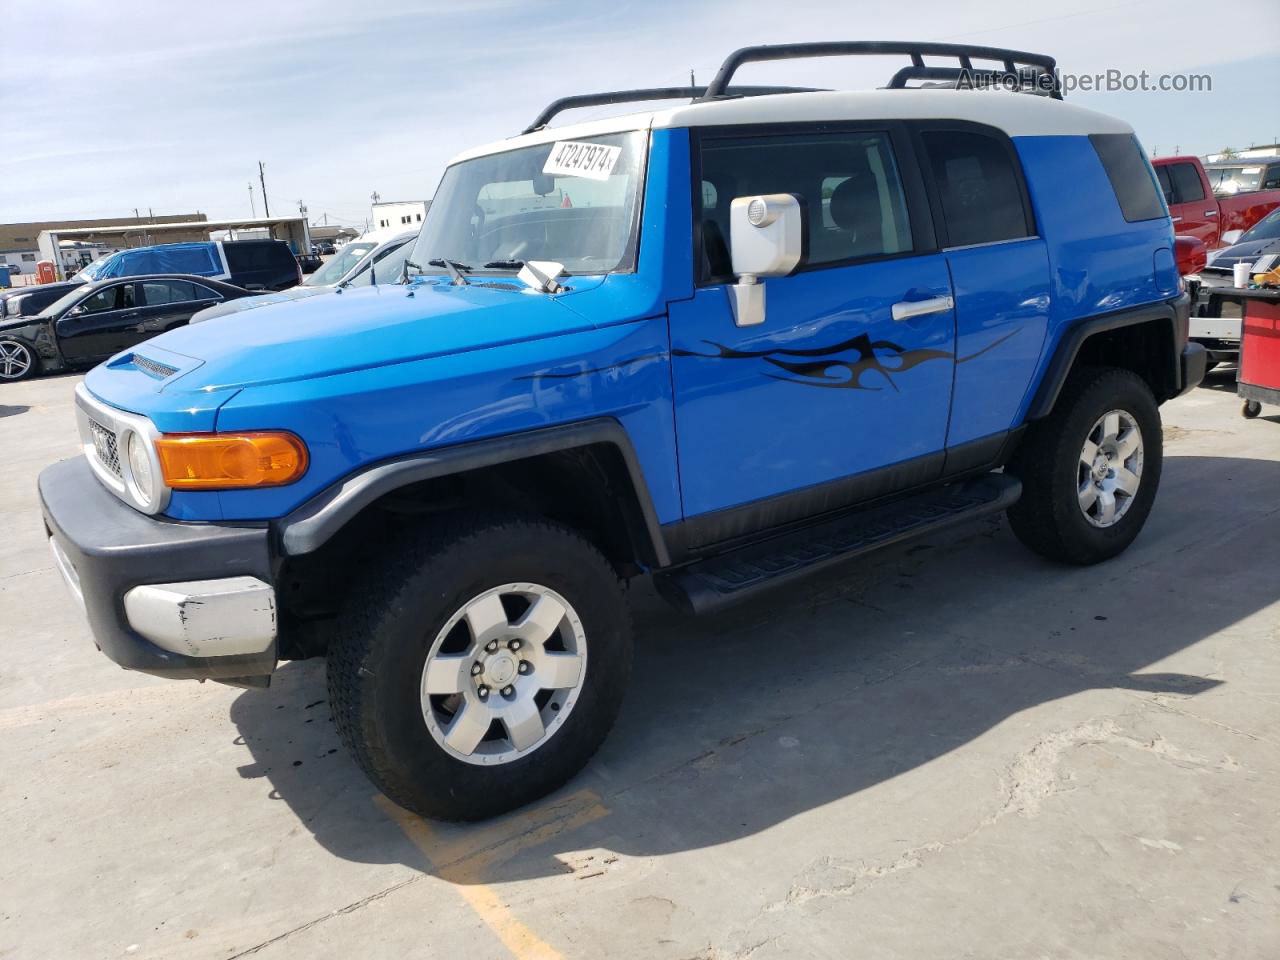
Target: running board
(727,578)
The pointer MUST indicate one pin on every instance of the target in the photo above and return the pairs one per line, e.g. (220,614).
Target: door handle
(908,309)
(1211,213)
(1177,219)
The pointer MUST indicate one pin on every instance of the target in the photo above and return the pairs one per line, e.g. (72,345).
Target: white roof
(1017,114)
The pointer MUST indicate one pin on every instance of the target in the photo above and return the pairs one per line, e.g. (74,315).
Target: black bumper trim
(114,548)
(1191,366)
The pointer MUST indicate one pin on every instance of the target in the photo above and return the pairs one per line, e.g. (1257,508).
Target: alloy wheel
(503,674)
(1110,468)
(15,360)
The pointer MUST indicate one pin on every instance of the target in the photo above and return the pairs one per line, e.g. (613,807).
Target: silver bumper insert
(205,618)
(68,571)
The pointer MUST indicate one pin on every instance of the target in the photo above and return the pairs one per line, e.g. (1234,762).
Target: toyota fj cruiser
(723,344)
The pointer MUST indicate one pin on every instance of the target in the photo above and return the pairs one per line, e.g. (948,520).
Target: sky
(168,105)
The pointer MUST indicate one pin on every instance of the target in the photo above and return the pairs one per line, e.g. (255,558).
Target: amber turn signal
(228,461)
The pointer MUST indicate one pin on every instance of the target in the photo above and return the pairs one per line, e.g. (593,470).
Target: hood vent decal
(155,368)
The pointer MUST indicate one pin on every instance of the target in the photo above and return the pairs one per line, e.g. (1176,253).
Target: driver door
(100,324)
(842,393)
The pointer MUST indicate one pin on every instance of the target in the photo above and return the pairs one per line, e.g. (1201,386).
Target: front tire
(1090,470)
(17,360)
(480,669)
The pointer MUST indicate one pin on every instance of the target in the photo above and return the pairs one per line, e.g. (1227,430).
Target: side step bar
(718,581)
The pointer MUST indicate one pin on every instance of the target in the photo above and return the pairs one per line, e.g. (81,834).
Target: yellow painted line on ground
(461,855)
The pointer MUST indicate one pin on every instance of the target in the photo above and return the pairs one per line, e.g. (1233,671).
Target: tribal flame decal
(822,367)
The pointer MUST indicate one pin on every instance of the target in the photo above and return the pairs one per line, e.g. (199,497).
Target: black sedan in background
(97,320)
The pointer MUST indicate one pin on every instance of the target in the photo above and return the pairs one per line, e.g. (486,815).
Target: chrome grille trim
(105,446)
(102,440)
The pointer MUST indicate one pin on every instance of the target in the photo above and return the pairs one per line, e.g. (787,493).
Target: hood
(1228,257)
(253,303)
(359,329)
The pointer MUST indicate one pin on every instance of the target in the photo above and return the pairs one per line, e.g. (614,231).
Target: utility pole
(262,178)
(375,196)
(302,209)
(135,214)
(253,210)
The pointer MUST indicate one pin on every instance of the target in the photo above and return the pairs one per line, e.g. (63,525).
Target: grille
(153,367)
(495,285)
(104,445)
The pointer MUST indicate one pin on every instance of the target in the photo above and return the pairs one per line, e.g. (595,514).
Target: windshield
(388,264)
(1268,228)
(97,269)
(1228,180)
(575,202)
(336,267)
(55,308)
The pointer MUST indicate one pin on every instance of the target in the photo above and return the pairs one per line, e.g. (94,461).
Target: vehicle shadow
(737,722)
(12,410)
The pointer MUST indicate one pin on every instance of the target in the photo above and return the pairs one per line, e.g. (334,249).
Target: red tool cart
(1259,378)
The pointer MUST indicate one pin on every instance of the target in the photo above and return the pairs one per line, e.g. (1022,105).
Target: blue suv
(723,345)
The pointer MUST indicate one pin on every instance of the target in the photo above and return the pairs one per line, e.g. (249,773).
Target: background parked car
(99,319)
(1199,210)
(250,264)
(1215,314)
(28,301)
(310,262)
(387,258)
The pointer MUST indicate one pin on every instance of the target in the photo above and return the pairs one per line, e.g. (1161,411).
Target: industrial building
(20,242)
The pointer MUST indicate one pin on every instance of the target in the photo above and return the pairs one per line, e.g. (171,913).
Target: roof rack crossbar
(649,93)
(1015,61)
(1024,79)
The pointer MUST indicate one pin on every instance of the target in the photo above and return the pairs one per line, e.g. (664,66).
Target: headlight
(231,461)
(140,471)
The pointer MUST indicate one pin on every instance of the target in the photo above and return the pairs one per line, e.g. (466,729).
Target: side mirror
(76,311)
(1189,254)
(766,235)
(1231,236)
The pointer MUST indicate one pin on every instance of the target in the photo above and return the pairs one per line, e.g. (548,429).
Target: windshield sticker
(569,158)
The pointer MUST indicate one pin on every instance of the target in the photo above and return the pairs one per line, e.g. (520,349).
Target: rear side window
(159,292)
(848,182)
(1186,183)
(1130,176)
(978,187)
(248,255)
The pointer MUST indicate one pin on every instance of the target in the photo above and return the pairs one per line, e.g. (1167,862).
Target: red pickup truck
(1239,204)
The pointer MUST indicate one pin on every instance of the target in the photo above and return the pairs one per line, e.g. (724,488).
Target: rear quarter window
(1130,174)
(268,255)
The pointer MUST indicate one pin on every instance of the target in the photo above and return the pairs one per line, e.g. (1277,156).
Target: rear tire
(1090,470)
(425,621)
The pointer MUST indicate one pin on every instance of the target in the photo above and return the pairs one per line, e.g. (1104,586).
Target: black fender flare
(1174,312)
(309,526)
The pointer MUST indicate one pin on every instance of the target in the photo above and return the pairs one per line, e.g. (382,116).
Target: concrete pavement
(950,749)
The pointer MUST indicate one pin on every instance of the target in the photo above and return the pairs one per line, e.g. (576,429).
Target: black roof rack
(651,93)
(1027,72)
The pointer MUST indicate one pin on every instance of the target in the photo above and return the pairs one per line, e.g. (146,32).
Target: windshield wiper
(455,269)
(404,271)
(504,265)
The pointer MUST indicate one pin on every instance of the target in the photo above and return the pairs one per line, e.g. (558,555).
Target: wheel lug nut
(508,691)
(491,646)
(476,669)
(514,645)
(524,666)
(483,692)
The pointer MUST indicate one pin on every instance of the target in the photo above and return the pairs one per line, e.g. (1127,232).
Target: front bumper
(1192,365)
(177,600)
